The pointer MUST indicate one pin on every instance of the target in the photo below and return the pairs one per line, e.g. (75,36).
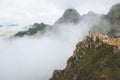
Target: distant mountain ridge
(106,24)
(2,25)
(34,29)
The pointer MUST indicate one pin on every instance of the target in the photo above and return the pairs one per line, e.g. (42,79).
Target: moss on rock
(96,61)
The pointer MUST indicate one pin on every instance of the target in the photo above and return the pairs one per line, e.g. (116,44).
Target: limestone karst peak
(70,15)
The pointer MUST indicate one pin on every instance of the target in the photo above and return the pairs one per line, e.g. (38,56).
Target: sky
(27,12)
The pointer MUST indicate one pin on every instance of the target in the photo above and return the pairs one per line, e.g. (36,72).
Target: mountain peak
(71,11)
(70,15)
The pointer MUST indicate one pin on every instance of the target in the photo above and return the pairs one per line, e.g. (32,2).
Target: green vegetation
(96,63)
(33,30)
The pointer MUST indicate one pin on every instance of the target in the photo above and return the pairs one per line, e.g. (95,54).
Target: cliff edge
(97,57)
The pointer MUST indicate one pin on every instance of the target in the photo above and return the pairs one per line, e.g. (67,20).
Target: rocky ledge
(97,57)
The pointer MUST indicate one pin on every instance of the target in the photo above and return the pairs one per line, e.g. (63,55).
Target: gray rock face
(114,12)
(114,16)
(69,16)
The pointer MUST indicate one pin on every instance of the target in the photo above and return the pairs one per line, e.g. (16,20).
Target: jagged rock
(57,73)
(116,50)
(89,63)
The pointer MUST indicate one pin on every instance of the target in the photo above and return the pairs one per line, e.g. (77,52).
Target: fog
(35,58)
(30,11)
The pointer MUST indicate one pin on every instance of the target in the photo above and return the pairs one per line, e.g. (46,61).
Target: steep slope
(97,57)
(114,17)
(114,13)
(69,16)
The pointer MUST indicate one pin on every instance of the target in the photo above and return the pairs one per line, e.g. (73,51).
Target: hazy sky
(48,11)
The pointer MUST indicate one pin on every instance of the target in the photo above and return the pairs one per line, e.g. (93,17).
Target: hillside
(97,57)
(34,29)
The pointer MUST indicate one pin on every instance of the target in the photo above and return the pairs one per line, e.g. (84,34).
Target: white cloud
(32,59)
(48,11)
(35,58)
(23,11)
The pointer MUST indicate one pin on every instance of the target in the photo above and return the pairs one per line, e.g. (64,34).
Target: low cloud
(35,58)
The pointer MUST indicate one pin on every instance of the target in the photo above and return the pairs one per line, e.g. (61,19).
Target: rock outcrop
(97,57)
(114,17)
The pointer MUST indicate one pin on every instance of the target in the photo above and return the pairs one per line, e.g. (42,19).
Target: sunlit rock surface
(97,57)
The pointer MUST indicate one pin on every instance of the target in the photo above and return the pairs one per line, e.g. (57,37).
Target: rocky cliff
(114,17)
(97,57)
